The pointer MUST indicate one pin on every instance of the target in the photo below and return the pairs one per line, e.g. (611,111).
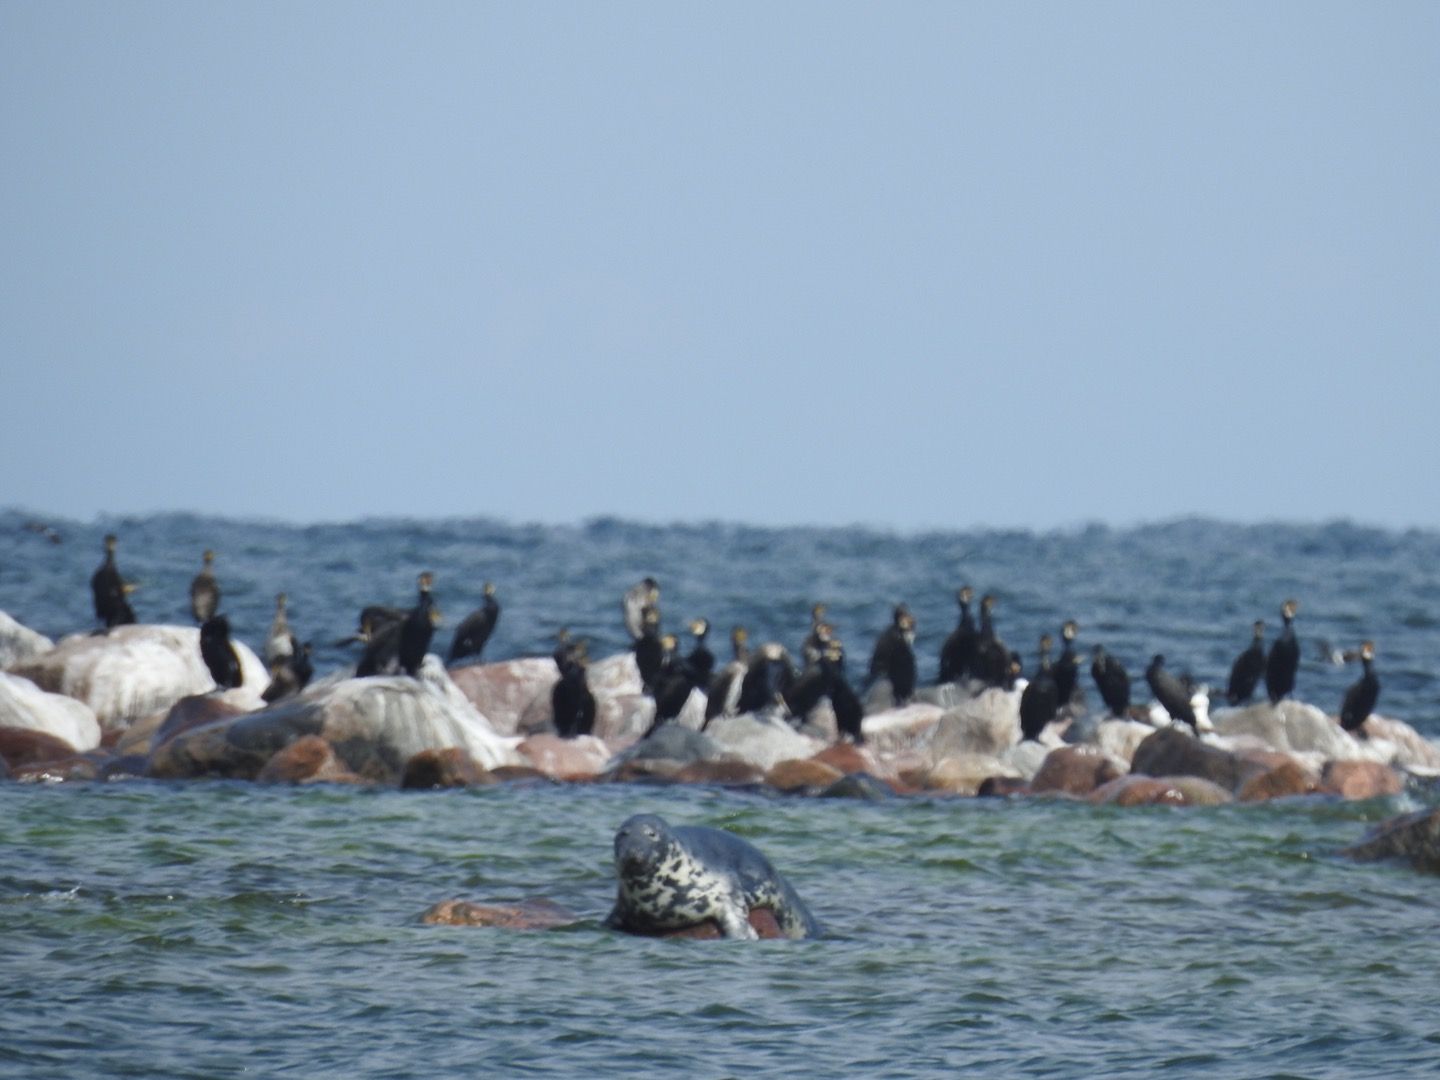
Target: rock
(123,767)
(1074,770)
(1413,837)
(132,671)
(809,775)
(849,759)
(27,746)
(309,759)
(1025,758)
(761,739)
(503,692)
(673,743)
(898,730)
(1002,787)
(19,643)
(962,774)
(566,759)
(1411,750)
(448,768)
(1136,790)
(1360,780)
(645,771)
(75,767)
(1283,780)
(536,913)
(374,724)
(987,725)
(519,774)
(192,712)
(25,705)
(859,786)
(726,772)
(1121,738)
(1291,727)
(1172,752)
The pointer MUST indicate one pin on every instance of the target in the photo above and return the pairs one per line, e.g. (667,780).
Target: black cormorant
(219,654)
(724,692)
(475,629)
(700,661)
(1112,680)
(644,594)
(1360,699)
(894,655)
(1284,658)
(1248,667)
(768,678)
(813,648)
(992,656)
(418,628)
(205,590)
(649,651)
(673,683)
(1169,691)
(1067,667)
(570,699)
(957,655)
(111,591)
(1040,700)
(289,672)
(281,642)
(843,700)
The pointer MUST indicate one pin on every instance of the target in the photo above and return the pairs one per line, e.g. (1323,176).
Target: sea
(218,928)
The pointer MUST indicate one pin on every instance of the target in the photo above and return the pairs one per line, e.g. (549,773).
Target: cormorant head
(1046,643)
(1288,609)
(817,614)
(669,643)
(208,558)
(965,595)
(699,628)
(110,542)
(1367,650)
(650,617)
(488,589)
(1158,660)
(426,580)
(1098,653)
(280,600)
(1070,629)
(987,603)
(739,635)
(1259,629)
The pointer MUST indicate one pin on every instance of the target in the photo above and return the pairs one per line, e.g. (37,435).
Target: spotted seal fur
(672,877)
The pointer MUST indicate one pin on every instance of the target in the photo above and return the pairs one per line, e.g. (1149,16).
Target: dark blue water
(213,929)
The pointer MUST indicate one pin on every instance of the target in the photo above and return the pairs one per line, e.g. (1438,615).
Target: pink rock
(806,775)
(1283,780)
(534,914)
(566,759)
(448,768)
(309,759)
(1073,770)
(1136,790)
(503,692)
(1360,780)
(27,746)
(725,773)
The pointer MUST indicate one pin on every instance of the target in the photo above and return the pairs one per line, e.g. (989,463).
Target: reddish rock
(1073,770)
(581,758)
(1283,780)
(724,772)
(1360,780)
(536,913)
(29,746)
(75,767)
(517,773)
(503,691)
(849,758)
(1000,787)
(448,768)
(192,712)
(1136,790)
(802,775)
(309,759)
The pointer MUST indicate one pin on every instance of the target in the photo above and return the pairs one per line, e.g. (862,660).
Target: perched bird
(724,692)
(289,672)
(768,678)
(418,628)
(843,700)
(1067,667)
(700,661)
(649,651)
(1284,658)
(1172,694)
(219,654)
(894,655)
(673,683)
(111,591)
(813,648)
(280,642)
(958,654)
(1040,700)
(992,656)
(381,634)
(1360,699)
(644,594)
(205,590)
(570,698)
(1112,680)
(1248,667)
(475,629)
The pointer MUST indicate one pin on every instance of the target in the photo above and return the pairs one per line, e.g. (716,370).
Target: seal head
(673,877)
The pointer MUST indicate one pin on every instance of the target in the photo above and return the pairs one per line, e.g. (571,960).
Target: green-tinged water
(217,929)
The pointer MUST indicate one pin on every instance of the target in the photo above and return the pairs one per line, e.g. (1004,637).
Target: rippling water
(214,929)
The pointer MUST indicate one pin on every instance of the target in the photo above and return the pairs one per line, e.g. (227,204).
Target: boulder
(76,767)
(1074,770)
(1138,790)
(29,746)
(448,768)
(1121,738)
(566,759)
(132,671)
(375,725)
(535,913)
(1002,787)
(503,692)
(725,772)
(859,786)
(192,712)
(1174,751)
(849,759)
(1413,837)
(19,643)
(1025,758)
(962,774)
(673,743)
(986,725)
(25,705)
(762,739)
(1406,747)
(307,760)
(1360,780)
(809,775)
(1279,781)
(899,730)
(1291,727)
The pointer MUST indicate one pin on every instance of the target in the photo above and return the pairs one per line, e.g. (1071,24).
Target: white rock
(897,731)
(1293,728)
(19,642)
(25,705)
(988,725)
(761,739)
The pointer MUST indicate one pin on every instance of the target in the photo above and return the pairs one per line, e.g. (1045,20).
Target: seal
(672,877)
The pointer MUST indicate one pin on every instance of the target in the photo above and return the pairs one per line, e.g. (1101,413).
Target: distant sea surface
(211,929)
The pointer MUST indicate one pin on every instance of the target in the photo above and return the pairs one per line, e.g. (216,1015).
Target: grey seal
(676,876)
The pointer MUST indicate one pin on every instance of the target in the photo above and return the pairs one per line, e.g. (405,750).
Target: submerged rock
(25,705)
(798,776)
(1413,837)
(1360,780)
(448,768)
(535,913)
(307,760)
(132,671)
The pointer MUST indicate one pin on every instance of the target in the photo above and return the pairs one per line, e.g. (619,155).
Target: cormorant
(700,661)
(1360,699)
(1284,658)
(724,692)
(289,672)
(111,590)
(1067,668)
(1041,699)
(418,628)
(475,629)
(642,595)
(767,680)
(204,590)
(649,652)
(992,657)
(219,654)
(281,642)
(1112,680)
(1172,694)
(813,647)
(958,654)
(1248,667)
(894,655)
(570,698)
(843,700)
(673,683)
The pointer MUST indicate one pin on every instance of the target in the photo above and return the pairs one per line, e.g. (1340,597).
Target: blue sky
(918,265)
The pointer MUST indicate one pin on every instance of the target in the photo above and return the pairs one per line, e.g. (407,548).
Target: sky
(917,265)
